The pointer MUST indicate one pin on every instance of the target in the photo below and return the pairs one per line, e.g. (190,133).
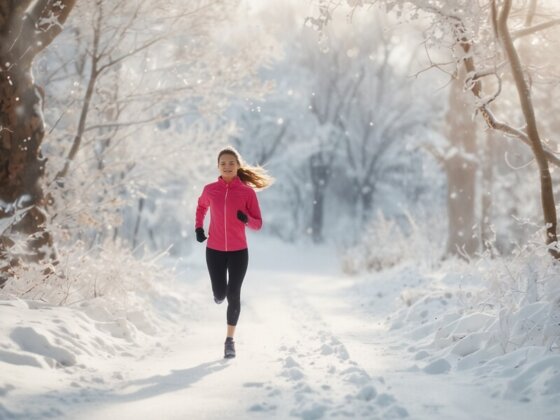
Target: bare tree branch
(510,131)
(131,53)
(156,119)
(531,13)
(536,28)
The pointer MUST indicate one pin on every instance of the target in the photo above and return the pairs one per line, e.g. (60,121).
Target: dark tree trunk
(317,216)
(524,92)
(21,166)
(366,195)
(24,32)
(137,225)
(319,180)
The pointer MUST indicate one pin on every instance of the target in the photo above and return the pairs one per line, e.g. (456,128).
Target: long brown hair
(255,176)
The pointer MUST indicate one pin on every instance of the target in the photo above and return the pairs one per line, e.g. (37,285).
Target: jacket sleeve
(253,211)
(201,208)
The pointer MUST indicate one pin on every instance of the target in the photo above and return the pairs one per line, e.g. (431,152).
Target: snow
(406,342)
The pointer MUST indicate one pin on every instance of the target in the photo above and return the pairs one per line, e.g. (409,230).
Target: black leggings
(219,264)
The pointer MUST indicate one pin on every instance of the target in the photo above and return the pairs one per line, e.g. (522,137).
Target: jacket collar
(234,181)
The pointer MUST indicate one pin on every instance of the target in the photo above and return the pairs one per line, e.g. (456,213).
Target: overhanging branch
(536,28)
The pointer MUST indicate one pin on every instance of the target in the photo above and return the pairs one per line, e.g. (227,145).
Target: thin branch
(156,119)
(474,77)
(121,31)
(531,13)
(61,115)
(536,28)
(510,131)
(131,53)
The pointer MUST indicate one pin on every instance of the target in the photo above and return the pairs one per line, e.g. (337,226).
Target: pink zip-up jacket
(227,232)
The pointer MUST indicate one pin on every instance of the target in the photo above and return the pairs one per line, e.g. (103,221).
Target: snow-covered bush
(386,242)
(523,294)
(497,316)
(108,272)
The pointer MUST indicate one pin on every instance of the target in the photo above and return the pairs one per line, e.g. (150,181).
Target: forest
(414,150)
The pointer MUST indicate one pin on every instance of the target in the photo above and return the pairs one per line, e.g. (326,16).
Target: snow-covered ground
(312,343)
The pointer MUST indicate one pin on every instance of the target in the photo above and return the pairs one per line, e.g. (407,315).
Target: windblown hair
(255,176)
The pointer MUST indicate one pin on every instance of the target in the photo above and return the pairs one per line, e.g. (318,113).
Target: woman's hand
(200,236)
(242,216)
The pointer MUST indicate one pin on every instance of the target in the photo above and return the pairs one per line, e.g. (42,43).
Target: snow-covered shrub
(386,242)
(109,272)
(523,293)
(497,316)
(518,296)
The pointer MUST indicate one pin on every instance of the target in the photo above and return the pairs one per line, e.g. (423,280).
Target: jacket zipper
(225,213)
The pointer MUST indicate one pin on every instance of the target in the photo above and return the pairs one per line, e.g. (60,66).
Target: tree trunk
(21,166)
(319,179)
(137,225)
(366,195)
(486,232)
(317,216)
(460,167)
(25,30)
(524,92)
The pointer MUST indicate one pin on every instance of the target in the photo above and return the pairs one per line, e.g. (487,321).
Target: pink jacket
(227,232)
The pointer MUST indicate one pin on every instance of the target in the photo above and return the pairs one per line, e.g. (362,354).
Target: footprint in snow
(262,407)
(253,384)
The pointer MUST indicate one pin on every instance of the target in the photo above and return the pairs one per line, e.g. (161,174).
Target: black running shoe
(218,301)
(229,348)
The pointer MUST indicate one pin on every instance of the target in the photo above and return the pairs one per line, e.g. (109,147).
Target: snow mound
(29,340)
(539,378)
(498,319)
(46,336)
(64,345)
(437,367)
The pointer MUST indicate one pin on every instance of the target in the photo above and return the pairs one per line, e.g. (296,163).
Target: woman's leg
(237,267)
(217,268)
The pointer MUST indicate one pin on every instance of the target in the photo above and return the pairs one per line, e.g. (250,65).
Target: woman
(233,206)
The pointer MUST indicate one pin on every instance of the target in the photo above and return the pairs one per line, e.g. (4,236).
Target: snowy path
(306,349)
(289,364)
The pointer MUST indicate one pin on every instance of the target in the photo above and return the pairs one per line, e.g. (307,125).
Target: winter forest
(408,260)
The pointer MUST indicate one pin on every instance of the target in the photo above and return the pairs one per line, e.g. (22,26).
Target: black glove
(242,216)
(200,236)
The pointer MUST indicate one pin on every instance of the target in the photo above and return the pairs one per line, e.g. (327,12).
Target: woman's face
(228,166)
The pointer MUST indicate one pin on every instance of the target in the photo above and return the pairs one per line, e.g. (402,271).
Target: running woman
(233,207)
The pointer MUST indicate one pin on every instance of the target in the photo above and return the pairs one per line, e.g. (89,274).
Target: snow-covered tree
(344,138)
(147,81)
(482,35)
(136,90)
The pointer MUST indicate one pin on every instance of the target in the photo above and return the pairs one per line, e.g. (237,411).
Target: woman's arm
(201,209)
(253,211)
